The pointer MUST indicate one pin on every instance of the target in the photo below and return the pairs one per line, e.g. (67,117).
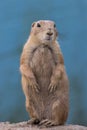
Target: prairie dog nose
(49,33)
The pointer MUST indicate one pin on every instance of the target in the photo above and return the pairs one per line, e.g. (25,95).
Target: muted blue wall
(16,17)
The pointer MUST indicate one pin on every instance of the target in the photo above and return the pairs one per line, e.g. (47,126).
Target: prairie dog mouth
(48,38)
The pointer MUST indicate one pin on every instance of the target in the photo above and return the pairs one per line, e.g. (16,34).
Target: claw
(38,87)
(50,124)
(33,121)
(46,123)
(43,122)
(35,87)
(52,88)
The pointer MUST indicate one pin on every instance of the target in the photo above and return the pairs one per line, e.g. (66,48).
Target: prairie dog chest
(43,60)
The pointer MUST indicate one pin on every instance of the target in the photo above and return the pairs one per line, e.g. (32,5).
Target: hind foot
(47,123)
(33,121)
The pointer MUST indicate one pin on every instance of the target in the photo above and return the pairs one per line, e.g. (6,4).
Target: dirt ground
(25,126)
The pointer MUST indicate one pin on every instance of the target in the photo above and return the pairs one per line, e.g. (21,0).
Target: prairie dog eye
(38,25)
(54,25)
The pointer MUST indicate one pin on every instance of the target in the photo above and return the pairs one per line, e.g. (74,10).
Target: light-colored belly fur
(43,63)
(42,66)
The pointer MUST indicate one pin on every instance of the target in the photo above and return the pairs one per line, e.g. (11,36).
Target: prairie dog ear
(33,24)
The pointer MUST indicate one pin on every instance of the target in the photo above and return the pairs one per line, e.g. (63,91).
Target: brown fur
(44,79)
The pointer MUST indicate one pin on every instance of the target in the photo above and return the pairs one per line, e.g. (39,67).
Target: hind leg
(60,106)
(29,106)
(34,117)
(31,111)
(59,112)
(58,115)
(53,117)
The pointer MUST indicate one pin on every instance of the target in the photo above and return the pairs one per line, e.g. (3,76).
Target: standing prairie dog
(44,79)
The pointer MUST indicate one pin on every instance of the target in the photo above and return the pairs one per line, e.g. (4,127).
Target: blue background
(16,17)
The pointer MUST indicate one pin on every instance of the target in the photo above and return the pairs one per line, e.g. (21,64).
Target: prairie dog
(44,79)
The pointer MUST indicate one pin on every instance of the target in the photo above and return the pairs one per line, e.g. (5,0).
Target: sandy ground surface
(25,126)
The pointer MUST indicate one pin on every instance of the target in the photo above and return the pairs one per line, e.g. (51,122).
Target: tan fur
(44,79)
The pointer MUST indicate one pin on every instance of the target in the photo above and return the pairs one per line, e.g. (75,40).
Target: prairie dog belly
(42,66)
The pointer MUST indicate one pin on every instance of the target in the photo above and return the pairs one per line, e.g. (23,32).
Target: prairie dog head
(44,31)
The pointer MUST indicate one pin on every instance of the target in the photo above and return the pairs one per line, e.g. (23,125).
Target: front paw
(34,85)
(53,86)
